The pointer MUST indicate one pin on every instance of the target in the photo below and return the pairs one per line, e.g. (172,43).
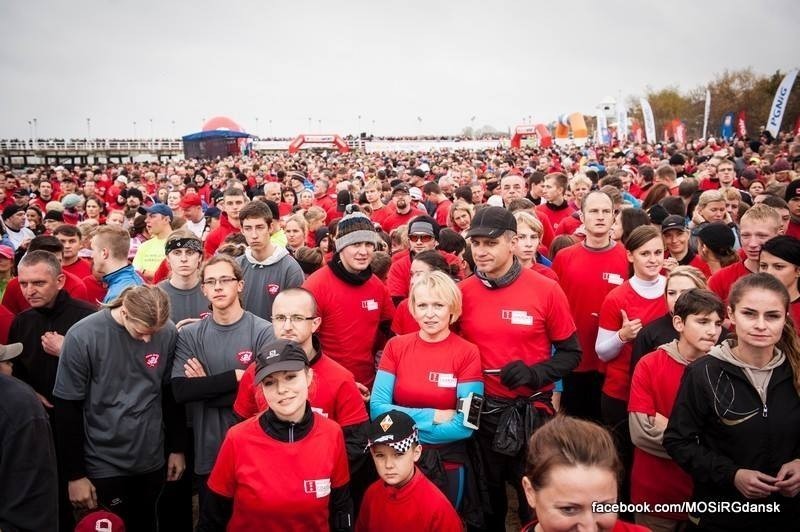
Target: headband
(193,244)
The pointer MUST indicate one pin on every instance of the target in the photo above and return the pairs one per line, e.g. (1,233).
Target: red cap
(100,521)
(6,251)
(190,200)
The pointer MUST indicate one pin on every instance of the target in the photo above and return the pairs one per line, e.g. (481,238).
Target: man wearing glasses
(210,358)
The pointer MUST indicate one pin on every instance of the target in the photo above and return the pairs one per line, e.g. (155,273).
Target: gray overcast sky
(120,61)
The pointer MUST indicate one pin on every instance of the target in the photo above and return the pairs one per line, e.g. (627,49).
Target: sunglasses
(420,238)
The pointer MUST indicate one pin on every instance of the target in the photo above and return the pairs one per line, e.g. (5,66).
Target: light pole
(134,129)
(309,124)
(320,125)
(88,129)
(256,125)
(152,138)
(30,129)
(173,129)
(270,127)
(359,124)
(35,132)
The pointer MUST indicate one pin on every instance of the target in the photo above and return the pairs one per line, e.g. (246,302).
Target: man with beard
(403,210)
(423,235)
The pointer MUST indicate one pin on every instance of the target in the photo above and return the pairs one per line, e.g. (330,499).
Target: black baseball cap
(395,429)
(492,222)
(673,221)
(401,187)
(717,236)
(280,355)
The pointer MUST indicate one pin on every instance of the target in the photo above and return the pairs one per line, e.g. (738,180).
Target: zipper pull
(764,411)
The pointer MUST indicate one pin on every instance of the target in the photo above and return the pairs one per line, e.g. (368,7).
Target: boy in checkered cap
(403,499)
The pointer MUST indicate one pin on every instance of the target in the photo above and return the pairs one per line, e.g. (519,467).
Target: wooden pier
(22,153)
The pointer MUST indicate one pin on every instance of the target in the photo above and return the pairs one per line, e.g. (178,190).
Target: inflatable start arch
(336,140)
(539,131)
(577,124)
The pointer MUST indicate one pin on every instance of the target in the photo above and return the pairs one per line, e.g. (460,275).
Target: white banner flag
(649,122)
(622,122)
(780,102)
(602,126)
(707,112)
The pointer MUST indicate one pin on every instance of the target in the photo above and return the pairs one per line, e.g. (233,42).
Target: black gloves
(516,374)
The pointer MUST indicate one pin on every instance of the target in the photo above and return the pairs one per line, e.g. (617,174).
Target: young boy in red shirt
(655,478)
(403,499)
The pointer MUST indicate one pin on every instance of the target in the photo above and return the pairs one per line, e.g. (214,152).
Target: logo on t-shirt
(613,278)
(517,317)
(273,289)
(151,359)
(245,357)
(443,380)
(320,488)
(369,304)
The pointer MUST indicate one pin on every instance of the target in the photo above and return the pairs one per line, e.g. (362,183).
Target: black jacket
(34,366)
(719,425)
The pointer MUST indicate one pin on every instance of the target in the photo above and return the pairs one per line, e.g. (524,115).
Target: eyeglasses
(211,283)
(293,319)
(420,238)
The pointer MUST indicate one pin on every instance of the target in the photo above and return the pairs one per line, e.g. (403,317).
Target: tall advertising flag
(622,123)
(727,126)
(602,127)
(779,103)
(649,121)
(707,112)
(741,125)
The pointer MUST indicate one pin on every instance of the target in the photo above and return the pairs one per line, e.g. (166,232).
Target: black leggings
(581,395)
(501,469)
(133,498)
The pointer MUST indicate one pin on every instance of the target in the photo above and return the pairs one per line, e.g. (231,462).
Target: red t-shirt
(624,297)
(403,322)
(519,321)
(284,485)
(793,229)
(587,277)
(554,216)
(794,312)
(442,214)
(80,268)
(721,282)
(654,387)
(399,278)
(350,315)
(14,301)
(6,319)
(216,237)
(544,270)
(568,225)
(379,216)
(419,505)
(395,219)
(95,290)
(701,265)
(427,373)
(332,394)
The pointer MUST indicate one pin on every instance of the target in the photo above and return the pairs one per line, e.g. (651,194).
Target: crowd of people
(590,336)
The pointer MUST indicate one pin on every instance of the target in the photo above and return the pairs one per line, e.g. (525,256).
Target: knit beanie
(353,229)
(784,247)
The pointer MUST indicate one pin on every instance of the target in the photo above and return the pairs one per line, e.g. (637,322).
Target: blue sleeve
(454,429)
(429,432)
(381,402)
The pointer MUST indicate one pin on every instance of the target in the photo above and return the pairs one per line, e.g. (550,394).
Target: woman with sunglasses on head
(426,374)
(735,425)
(425,262)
